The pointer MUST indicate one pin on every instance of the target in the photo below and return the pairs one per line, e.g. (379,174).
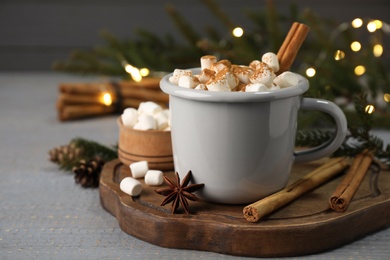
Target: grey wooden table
(45,215)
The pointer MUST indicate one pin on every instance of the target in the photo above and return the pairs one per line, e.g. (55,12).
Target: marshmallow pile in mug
(224,76)
(149,116)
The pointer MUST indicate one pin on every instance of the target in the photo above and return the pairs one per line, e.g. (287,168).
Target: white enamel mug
(241,144)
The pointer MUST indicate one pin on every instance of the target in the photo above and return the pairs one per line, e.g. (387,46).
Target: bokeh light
(359,70)
(238,32)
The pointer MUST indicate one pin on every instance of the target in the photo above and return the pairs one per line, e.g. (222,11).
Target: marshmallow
(154,178)
(207,61)
(274,87)
(226,74)
(206,75)
(232,80)
(222,64)
(129,110)
(145,122)
(149,108)
(167,113)
(271,60)
(263,74)
(218,85)
(177,73)
(286,79)
(129,117)
(188,81)
(201,87)
(131,186)
(255,64)
(139,169)
(255,87)
(162,120)
(243,73)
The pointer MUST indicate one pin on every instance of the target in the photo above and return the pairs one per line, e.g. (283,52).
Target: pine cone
(87,172)
(64,153)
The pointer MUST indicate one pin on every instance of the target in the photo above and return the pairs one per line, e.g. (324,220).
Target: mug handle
(334,143)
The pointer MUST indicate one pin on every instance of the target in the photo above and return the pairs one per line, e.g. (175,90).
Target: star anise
(179,193)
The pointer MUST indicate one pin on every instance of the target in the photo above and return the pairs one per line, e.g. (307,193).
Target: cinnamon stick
(255,211)
(66,98)
(77,100)
(287,40)
(82,111)
(342,196)
(82,88)
(98,87)
(142,94)
(291,45)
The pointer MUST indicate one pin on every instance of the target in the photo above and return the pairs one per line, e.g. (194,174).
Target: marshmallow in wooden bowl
(144,135)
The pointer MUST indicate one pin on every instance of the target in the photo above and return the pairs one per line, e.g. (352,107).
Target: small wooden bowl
(152,146)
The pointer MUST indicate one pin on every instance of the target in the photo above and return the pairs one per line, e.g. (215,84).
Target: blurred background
(35,33)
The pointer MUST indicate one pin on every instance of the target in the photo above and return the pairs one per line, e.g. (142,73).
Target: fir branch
(86,150)
(358,139)
(274,33)
(217,11)
(313,137)
(92,149)
(183,26)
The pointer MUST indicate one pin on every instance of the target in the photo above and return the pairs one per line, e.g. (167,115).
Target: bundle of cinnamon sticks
(80,100)
(339,200)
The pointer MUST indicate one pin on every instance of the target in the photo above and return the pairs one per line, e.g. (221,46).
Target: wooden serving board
(305,226)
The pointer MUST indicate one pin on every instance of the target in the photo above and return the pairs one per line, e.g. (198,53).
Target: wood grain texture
(305,226)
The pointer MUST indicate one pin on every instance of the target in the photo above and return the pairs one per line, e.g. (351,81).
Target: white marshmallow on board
(145,122)
(255,87)
(129,117)
(286,79)
(154,178)
(176,75)
(149,108)
(131,186)
(271,60)
(139,169)
(188,81)
(263,74)
(207,61)
(162,120)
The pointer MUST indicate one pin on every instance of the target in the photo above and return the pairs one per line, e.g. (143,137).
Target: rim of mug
(220,96)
